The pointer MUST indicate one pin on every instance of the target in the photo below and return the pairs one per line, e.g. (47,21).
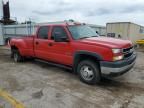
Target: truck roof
(65,23)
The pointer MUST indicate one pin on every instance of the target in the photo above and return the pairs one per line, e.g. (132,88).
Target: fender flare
(78,53)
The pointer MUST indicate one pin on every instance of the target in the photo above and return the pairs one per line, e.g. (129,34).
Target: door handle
(50,44)
(37,43)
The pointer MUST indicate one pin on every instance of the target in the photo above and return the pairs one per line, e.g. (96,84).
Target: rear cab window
(43,32)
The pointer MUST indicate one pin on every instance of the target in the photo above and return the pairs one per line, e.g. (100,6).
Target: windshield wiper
(84,37)
(87,37)
(94,36)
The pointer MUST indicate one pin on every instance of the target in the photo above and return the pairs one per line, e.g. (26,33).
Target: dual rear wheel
(16,56)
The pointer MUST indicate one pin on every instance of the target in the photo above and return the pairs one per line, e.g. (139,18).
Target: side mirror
(59,38)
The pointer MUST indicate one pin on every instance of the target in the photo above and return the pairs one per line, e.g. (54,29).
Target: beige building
(125,30)
(101,30)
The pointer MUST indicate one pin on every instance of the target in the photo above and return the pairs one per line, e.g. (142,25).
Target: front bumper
(117,68)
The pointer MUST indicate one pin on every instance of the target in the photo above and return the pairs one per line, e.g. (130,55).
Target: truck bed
(26,44)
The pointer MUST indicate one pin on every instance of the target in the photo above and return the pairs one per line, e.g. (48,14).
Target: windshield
(82,31)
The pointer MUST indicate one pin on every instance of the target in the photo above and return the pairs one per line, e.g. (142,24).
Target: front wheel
(89,72)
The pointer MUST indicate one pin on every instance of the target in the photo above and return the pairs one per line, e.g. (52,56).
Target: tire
(12,54)
(89,72)
(17,57)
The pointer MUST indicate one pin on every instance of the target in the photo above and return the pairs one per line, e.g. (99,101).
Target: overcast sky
(91,11)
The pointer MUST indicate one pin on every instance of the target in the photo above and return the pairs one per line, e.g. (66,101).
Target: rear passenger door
(41,43)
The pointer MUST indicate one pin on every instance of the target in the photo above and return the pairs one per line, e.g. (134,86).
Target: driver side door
(61,52)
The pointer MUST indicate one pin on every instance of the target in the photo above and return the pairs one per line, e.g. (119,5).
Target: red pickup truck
(78,47)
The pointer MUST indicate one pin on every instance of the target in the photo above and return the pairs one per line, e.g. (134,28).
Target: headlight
(116,58)
(116,51)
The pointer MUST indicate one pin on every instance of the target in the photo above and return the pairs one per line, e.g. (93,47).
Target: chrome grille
(128,52)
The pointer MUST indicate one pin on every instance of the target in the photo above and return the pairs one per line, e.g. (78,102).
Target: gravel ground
(39,85)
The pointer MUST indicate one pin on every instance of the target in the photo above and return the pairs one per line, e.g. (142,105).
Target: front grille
(128,52)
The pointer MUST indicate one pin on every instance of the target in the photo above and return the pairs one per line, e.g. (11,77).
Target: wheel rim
(87,72)
(15,57)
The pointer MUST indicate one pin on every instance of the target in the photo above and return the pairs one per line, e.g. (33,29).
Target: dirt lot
(39,85)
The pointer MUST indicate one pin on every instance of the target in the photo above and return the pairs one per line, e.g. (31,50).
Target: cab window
(58,30)
(43,33)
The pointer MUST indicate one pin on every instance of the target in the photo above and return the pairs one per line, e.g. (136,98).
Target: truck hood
(107,42)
